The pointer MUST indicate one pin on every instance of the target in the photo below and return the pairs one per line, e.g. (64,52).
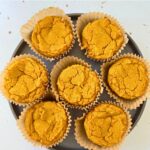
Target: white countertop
(133,15)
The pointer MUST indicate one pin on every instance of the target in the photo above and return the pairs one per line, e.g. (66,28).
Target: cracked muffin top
(78,85)
(106,125)
(102,38)
(46,122)
(52,36)
(128,78)
(25,80)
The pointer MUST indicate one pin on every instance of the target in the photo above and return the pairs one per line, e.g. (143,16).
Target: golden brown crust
(102,38)
(106,125)
(78,85)
(46,122)
(52,36)
(128,78)
(25,80)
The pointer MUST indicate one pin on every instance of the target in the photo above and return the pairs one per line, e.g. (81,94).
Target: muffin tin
(70,143)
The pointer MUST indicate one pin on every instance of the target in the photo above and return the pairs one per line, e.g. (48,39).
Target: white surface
(133,15)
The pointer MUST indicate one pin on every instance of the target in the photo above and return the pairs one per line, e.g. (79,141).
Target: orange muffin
(52,36)
(106,125)
(102,38)
(128,78)
(45,123)
(78,85)
(25,80)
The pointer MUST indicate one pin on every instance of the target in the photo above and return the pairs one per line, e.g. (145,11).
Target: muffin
(128,78)
(102,38)
(52,36)
(44,123)
(78,85)
(106,125)
(24,80)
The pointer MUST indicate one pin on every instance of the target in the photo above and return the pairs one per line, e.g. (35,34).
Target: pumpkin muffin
(52,36)
(25,80)
(102,38)
(78,85)
(46,123)
(128,78)
(106,125)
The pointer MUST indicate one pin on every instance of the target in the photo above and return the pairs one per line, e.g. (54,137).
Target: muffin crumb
(66,5)
(9,32)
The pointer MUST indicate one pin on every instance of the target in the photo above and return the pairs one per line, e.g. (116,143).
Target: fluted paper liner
(84,19)
(130,104)
(26,29)
(2,80)
(20,124)
(81,137)
(57,69)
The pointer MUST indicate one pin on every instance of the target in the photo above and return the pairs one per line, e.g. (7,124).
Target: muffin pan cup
(62,64)
(81,137)
(3,74)
(26,29)
(20,124)
(129,104)
(86,18)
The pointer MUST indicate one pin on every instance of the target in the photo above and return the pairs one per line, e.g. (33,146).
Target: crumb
(9,32)
(8,18)
(66,5)
(130,33)
(23,1)
(0,13)
(145,25)
(103,2)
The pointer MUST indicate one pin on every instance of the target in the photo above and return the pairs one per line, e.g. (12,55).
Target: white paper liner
(26,29)
(129,104)
(62,64)
(84,19)
(81,137)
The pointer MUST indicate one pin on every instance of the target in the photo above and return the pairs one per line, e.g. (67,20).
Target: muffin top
(52,36)
(128,78)
(25,80)
(46,122)
(102,38)
(106,125)
(78,85)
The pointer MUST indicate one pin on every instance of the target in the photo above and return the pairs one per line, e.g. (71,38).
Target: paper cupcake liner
(81,137)
(4,93)
(84,19)
(20,124)
(26,29)
(132,104)
(62,64)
